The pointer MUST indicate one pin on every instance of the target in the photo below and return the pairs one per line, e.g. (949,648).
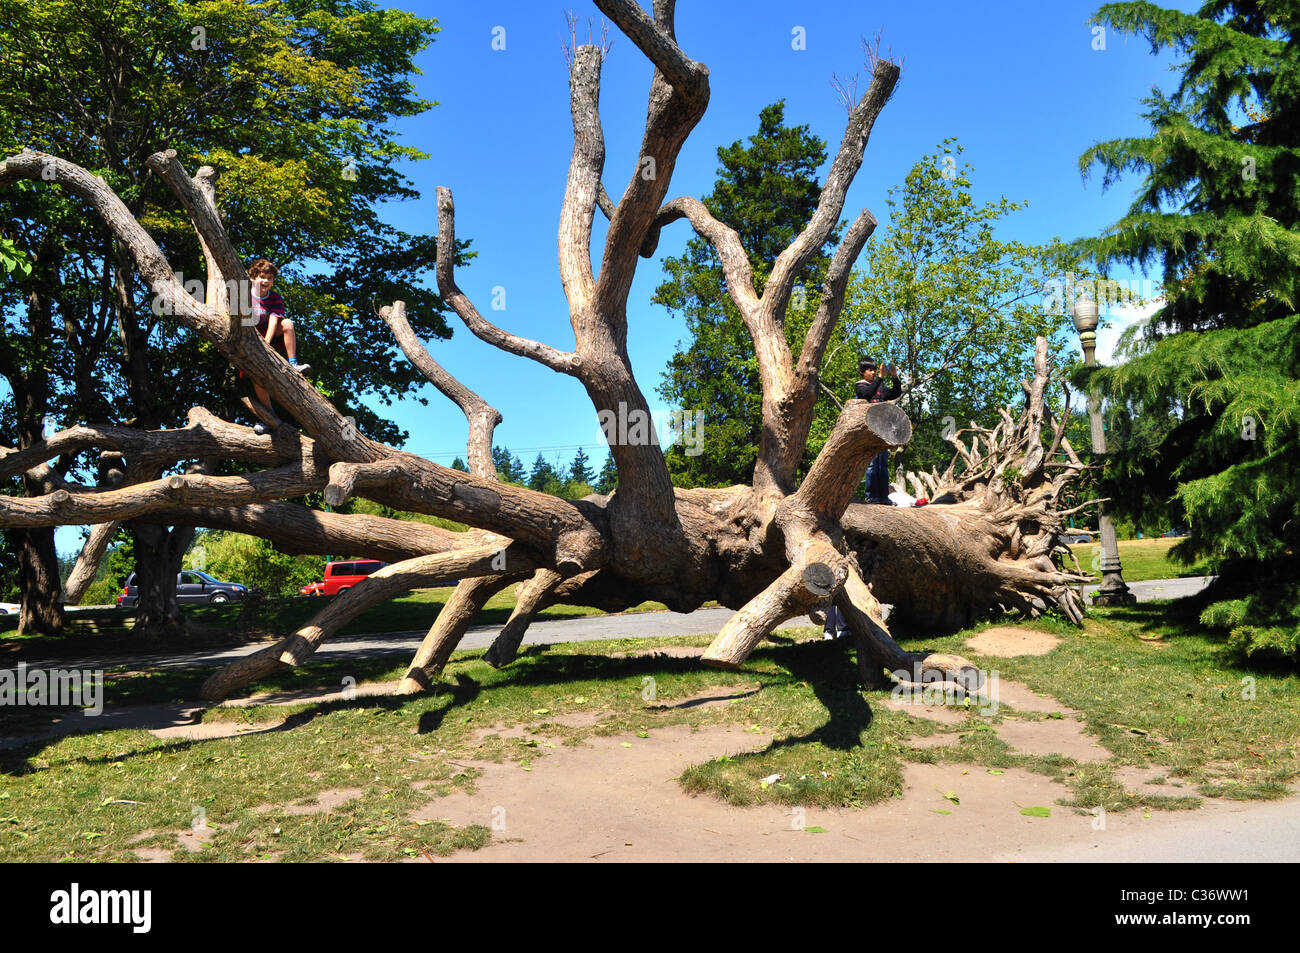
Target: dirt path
(616,798)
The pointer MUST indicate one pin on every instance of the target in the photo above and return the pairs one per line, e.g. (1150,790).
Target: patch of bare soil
(194,838)
(1007,642)
(344,693)
(324,801)
(607,802)
(1022,698)
(153,855)
(1063,736)
(1138,781)
(584,718)
(204,730)
(945,740)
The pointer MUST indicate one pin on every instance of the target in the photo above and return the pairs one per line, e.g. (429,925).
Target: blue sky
(1021,85)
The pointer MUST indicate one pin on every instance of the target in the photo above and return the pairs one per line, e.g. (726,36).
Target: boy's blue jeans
(878,478)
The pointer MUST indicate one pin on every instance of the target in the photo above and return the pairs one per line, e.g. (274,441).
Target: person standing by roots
(872,388)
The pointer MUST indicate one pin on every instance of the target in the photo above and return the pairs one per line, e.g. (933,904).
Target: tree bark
(87,566)
(770,550)
(41,612)
(158,556)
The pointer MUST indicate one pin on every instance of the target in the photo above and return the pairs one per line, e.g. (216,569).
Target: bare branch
(203,214)
(847,162)
(725,241)
(505,646)
(422,571)
(469,597)
(566,363)
(482,416)
(64,507)
(682,73)
(862,431)
(831,394)
(206,435)
(242,346)
(581,193)
(298,530)
(679,95)
(832,302)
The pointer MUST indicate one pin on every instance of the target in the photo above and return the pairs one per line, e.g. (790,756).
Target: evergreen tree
(767,191)
(459,464)
(510,468)
(580,472)
(542,476)
(1215,376)
(607,478)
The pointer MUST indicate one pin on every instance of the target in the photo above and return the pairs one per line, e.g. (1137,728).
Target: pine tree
(459,464)
(509,467)
(1215,373)
(607,478)
(542,476)
(580,472)
(766,190)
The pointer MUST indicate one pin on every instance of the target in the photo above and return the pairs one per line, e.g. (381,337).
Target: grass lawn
(1180,707)
(1141,559)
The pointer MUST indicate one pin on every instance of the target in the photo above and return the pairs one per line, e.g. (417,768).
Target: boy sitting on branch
(272,325)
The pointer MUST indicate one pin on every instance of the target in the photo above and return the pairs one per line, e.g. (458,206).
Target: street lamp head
(1084,315)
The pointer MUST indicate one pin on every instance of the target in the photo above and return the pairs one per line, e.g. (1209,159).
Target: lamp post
(1113,590)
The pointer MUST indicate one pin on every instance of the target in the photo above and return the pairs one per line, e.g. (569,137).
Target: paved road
(1239,833)
(1162,588)
(640,625)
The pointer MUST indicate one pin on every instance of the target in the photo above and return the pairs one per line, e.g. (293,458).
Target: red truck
(342,575)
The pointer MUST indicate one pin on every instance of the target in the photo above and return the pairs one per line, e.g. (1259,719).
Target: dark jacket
(876,391)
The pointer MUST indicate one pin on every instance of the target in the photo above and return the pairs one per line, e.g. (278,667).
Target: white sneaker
(301,368)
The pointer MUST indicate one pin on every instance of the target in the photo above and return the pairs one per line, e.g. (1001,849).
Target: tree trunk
(771,550)
(158,555)
(38,581)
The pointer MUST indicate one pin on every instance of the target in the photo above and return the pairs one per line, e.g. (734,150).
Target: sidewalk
(633,625)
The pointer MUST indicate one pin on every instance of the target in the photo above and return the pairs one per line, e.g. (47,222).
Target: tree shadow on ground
(830,671)
(826,667)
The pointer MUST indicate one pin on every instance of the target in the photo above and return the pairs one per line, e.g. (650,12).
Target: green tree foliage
(292,104)
(607,478)
(953,306)
(254,562)
(767,191)
(543,477)
(510,468)
(114,568)
(1215,376)
(12,258)
(459,464)
(580,471)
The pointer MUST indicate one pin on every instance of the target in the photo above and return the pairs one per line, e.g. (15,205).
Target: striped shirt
(263,308)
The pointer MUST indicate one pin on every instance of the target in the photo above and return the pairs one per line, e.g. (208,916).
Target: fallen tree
(772,549)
